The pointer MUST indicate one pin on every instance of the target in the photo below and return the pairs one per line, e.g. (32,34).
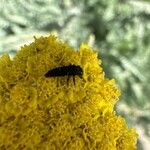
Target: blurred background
(119,29)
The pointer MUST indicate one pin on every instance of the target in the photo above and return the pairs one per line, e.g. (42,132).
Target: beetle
(70,70)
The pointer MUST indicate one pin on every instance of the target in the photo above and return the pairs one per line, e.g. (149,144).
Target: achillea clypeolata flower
(46,113)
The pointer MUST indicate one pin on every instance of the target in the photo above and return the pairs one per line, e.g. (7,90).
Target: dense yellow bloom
(47,114)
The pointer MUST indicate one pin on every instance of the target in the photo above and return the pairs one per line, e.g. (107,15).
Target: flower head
(38,112)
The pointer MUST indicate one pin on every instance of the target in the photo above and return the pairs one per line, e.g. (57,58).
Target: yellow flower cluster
(47,114)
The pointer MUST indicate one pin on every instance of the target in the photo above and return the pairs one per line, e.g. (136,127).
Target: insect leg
(57,82)
(68,80)
(74,80)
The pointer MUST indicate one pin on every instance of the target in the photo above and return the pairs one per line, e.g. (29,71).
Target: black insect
(70,70)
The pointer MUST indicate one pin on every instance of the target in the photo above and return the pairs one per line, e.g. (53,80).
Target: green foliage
(119,28)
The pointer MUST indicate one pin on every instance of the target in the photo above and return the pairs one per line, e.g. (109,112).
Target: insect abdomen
(55,72)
